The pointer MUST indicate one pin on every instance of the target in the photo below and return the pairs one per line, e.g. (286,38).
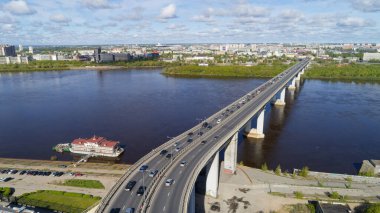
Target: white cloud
(366,5)
(7,27)
(59,18)
(247,10)
(18,7)
(177,27)
(168,12)
(97,4)
(354,22)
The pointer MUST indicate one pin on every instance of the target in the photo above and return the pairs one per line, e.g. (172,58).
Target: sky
(86,22)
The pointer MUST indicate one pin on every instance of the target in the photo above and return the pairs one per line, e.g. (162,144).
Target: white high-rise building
(30,49)
(20,48)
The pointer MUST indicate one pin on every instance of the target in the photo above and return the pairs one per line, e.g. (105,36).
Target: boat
(62,147)
(96,146)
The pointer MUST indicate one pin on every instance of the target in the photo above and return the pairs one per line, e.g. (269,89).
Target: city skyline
(124,21)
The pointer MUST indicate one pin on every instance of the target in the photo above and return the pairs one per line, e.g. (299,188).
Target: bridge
(184,157)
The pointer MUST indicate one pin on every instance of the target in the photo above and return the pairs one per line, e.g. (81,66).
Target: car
(209,127)
(169,155)
(153,173)
(163,152)
(130,185)
(216,137)
(183,163)
(177,149)
(169,182)
(141,190)
(62,166)
(175,144)
(190,134)
(5,179)
(218,121)
(205,124)
(143,168)
(200,133)
(203,142)
(22,172)
(189,140)
(115,210)
(130,210)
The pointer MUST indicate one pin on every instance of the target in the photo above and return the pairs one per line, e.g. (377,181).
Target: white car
(169,182)
(177,149)
(183,163)
(218,121)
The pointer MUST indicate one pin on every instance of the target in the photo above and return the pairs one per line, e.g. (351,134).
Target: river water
(328,126)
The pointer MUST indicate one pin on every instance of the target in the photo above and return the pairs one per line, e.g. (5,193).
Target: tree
(278,170)
(373,208)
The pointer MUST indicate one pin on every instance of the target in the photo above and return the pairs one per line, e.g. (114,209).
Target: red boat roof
(101,141)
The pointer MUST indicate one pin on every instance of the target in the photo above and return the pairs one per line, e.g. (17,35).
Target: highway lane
(169,203)
(129,199)
(168,198)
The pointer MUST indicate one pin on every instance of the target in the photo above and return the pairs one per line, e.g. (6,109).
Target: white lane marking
(164,208)
(168,194)
(123,207)
(180,172)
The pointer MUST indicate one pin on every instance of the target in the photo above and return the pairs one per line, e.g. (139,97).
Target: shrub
(373,208)
(299,195)
(334,195)
(264,167)
(304,171)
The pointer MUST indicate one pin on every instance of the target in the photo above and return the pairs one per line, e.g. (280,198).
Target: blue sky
(61,22)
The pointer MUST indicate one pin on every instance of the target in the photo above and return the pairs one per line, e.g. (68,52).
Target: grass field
(258,71)
(58,200)
(94,184)
(331,70)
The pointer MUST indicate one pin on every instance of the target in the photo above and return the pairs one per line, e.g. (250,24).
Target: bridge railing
(106,200)
(216,146)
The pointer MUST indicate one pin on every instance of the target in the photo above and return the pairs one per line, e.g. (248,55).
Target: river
(328,126)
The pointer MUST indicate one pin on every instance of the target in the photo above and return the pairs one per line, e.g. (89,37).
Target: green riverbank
(258,71)
(67,65)
(324,70)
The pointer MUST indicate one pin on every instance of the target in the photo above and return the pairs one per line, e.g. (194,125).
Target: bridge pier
(212,180)
(292,86)
(230,155)
(298,77)
(281,100)
(191,206)
(259,131)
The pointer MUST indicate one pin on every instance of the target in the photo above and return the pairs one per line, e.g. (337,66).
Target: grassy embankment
(258,71)
(93,184)
(322,70)
(58,200)
(66,65)
(331,70)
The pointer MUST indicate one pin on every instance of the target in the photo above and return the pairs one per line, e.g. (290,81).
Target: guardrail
(215,148)
(106,200)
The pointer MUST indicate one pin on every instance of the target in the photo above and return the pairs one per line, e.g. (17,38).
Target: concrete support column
(292,86)
(302,71)
(248,127)
(230,155)
(281,100)
(298,77)
(191,206)
(212,180)
(259,131)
